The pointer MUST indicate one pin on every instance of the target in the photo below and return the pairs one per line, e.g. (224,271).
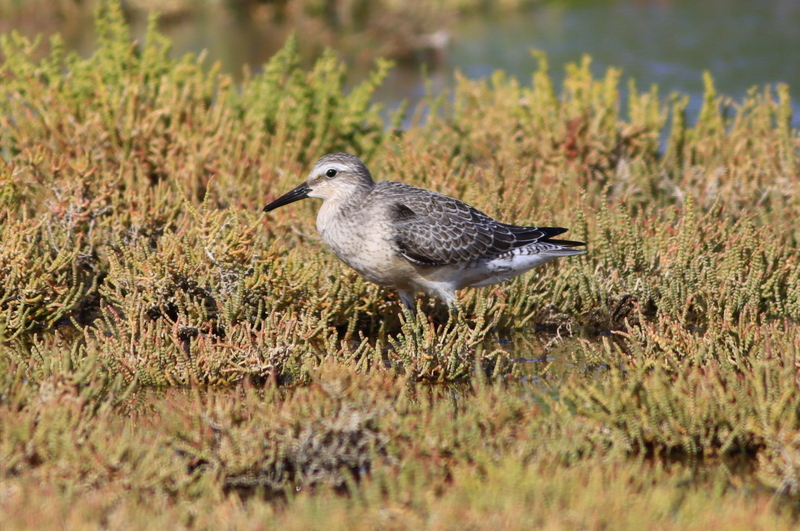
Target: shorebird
(416,240)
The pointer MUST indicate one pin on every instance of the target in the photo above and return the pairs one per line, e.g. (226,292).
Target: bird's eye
(330,173)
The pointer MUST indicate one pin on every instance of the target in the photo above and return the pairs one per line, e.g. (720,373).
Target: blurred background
(743,43)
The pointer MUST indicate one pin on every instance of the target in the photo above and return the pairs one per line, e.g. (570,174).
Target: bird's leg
(452,306)
(450,299)
(408,299)
(453,311)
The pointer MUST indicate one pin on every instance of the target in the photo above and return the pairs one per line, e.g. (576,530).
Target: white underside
(443,281)
(502,269)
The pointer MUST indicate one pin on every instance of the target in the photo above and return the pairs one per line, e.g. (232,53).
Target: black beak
(301,192)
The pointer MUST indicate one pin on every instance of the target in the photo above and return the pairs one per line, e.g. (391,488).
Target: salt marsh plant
(168,354)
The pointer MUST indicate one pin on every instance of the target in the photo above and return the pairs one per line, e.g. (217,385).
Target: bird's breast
(365,243)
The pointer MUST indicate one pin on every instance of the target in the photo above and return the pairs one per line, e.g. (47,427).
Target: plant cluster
(168,351)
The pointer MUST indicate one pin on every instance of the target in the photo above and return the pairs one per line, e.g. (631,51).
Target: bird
(415,240)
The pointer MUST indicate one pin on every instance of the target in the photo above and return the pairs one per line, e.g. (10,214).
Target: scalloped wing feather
(432,229)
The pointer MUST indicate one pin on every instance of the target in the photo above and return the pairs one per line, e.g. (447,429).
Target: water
(743,43)
(542,359)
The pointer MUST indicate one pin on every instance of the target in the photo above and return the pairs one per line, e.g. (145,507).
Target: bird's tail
(549,232)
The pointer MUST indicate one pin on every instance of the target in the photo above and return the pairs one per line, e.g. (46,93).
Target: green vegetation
(171,355)
(364,29)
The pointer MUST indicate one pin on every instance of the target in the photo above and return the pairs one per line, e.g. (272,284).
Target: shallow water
(542,359)
(743,43)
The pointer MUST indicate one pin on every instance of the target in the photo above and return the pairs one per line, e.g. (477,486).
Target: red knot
(411,239)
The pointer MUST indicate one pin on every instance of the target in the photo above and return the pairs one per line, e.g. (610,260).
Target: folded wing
(431,229)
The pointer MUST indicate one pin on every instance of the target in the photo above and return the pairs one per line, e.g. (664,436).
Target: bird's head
(335,176)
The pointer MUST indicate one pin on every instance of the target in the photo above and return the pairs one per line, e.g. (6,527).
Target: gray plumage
(413,239)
